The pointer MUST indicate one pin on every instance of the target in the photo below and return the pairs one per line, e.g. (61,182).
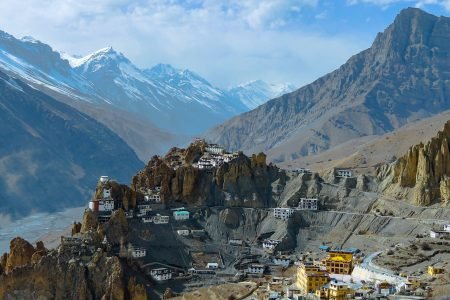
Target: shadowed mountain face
(403,76)
(51,155)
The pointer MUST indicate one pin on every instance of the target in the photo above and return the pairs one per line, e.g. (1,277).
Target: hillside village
(323,272)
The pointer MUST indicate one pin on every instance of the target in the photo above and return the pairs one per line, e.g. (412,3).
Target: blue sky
(227,42)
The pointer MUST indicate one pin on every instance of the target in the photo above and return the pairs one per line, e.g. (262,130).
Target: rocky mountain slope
(244,181)
(402,77)
(51,154)
(422,175)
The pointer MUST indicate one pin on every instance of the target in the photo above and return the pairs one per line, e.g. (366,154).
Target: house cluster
(153,195)
(444,233)
(214,156)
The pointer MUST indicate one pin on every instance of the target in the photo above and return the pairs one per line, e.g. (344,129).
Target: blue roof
(323,247)
(353,250)
(181,212)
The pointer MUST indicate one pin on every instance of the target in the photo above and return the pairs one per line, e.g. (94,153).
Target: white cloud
(228,42)
(418,3)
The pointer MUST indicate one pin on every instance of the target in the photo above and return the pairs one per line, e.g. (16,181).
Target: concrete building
(181,215)
(158,219)
(343,173)
(101,205)
(282,213)
(447,227)
(283,261)
(136,252)
(308,204)
(435,270)
(183,232)
(437,234)
(311,278)
(270,244)
(335,291)
(212,265)
(301,171)
(256,269)
(338,262)
(215,149)
(161,274)
(155,198)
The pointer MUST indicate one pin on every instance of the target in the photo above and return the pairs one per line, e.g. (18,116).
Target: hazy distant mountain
(403,76)
(257,92)
(51,155)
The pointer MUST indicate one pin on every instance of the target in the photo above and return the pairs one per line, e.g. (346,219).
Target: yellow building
(310,278)
(432,270)
(335,291)
(339,262)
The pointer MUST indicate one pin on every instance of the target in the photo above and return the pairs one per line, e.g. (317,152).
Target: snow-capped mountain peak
(257,92)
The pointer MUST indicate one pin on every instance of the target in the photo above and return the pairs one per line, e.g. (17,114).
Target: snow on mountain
(174,100)
(257,92)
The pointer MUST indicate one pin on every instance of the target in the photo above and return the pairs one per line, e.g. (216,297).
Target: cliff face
(422,175)
(61,275)
(243,181)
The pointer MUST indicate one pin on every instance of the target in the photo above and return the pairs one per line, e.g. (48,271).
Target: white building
(161,274)
(181,215)
(282,261)
(158,219)
(204,163)
(436,234)
(282,213)
(183,232)
(344,173)
(137,252)
(215,149)
(447,227)
(102,205)
(301,171)
(104,179)
(257,269)
(154,197)
(308,204)
(270,244)
(212,265)
(147,219)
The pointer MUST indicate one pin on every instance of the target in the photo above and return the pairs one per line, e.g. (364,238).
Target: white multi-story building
(308,204)
(161,274)
(235,242)
(301,171)
(256,269)
(282,213)
(270,244)
(437,234)
(282,261)
(155,198)
(215,149)
(447,227)
(101,205)
(344,173)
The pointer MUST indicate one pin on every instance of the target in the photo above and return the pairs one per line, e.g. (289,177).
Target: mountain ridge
(365,96)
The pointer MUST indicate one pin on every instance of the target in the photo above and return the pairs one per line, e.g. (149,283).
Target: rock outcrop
(59,274)
(244,181)
(422,175)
